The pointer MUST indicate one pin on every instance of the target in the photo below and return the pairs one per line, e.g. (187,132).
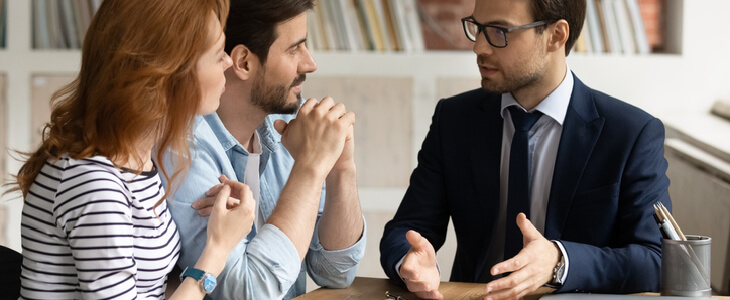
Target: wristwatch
(206,280)
(558,272)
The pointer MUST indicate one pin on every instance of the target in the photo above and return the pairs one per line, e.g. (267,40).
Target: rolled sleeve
(264,268)
(336,268)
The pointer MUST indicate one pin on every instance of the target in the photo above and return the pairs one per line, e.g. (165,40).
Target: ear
(245,63)
(558,33)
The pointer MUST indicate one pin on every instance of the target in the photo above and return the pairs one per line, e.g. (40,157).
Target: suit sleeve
(423,207)
(634,265)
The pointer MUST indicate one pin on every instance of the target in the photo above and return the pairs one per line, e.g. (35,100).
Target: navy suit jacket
(609,170)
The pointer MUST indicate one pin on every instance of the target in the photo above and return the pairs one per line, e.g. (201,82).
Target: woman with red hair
(95,222)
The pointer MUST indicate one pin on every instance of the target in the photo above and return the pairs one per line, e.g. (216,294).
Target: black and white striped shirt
(89,231)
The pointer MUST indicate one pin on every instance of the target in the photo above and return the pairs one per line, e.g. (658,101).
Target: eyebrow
(494,23)
(297,43)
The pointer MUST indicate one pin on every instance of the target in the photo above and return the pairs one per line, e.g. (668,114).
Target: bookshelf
(394,94)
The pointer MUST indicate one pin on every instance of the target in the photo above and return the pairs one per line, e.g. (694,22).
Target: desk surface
(374,288)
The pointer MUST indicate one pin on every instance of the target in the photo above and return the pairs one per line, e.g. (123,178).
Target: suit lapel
(486,160)
(581,130)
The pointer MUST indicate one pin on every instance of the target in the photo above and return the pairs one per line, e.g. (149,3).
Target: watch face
(209,283)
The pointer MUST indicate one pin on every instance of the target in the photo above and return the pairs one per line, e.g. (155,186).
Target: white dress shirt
(543,142)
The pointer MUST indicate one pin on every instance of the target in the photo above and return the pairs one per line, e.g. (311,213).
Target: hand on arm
(419,270)
(230,221)
(531,268)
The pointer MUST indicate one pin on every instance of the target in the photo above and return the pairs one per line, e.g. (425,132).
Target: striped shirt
(89,231)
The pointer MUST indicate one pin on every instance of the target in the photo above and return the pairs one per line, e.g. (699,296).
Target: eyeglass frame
(504,30)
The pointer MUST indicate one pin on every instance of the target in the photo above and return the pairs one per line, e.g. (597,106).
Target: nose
(481,45)
(227,62)
(307,63)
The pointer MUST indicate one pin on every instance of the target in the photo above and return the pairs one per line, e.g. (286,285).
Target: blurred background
(390,61)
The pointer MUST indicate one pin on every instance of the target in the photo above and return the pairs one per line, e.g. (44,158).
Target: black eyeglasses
(496,35)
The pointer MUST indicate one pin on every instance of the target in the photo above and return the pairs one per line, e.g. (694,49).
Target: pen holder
(686,267)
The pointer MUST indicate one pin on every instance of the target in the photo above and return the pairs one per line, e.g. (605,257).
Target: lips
(487,71)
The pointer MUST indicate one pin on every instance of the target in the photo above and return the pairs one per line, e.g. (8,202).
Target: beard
(525,74)
(272,98)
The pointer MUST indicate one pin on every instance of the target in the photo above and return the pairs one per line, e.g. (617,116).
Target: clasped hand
(321,134)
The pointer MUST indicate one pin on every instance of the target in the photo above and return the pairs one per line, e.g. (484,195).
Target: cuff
(274,249)
(341,260)
(565,258)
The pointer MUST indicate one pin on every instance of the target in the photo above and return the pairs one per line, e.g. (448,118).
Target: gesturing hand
(228,226)
(419,269)
(531,268)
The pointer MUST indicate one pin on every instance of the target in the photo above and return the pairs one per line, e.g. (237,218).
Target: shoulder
(615,112)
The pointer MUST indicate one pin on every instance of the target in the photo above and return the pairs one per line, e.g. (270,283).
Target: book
(612,30)
(596,39)
(351,25)
(2,25)
(637,25)
(322,30)
(410,9)
(382,24)
(401,25)
(602,25)
(371,20)
(68,19)
(41,34)
(390,25)
(313,34)
(623,23)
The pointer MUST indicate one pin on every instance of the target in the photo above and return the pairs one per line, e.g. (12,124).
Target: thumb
(418,242)
(529,232)
(280,126)
(222,198)
(222,178)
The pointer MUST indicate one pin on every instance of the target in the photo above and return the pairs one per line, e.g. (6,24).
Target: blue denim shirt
(265,265)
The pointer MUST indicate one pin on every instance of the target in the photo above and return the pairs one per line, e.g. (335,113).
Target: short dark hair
(572,11)
(253,22)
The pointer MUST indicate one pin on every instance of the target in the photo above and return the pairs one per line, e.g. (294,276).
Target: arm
(339,239)
(264,267)
(315,139)
(633,267)
(423,208)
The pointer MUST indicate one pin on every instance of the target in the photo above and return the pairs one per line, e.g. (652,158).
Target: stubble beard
(525,75)
(272,99)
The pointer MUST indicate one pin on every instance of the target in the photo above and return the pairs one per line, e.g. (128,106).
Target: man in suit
(546,180)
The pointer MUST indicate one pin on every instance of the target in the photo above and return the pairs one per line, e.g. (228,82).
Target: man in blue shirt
(298,226)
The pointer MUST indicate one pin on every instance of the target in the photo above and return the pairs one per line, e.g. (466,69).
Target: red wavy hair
(138,80)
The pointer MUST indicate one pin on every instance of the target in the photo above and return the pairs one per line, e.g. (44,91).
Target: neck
(240,117)
(529,97)
(144,151)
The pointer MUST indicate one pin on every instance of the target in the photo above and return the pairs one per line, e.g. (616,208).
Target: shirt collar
(268,140)
(554,105)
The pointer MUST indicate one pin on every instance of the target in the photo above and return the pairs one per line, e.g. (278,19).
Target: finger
(204,202)
(348,118)
(222,178)
(430,295)
(214,190)
(529,232)
(308,106)
(206,211)
(516,280)
(510,265)
(337,111)
(325,105)
(232,203)
(222,198)
(280,126)
(418,242)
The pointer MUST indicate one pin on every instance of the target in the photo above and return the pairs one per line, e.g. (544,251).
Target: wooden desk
(374,288)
